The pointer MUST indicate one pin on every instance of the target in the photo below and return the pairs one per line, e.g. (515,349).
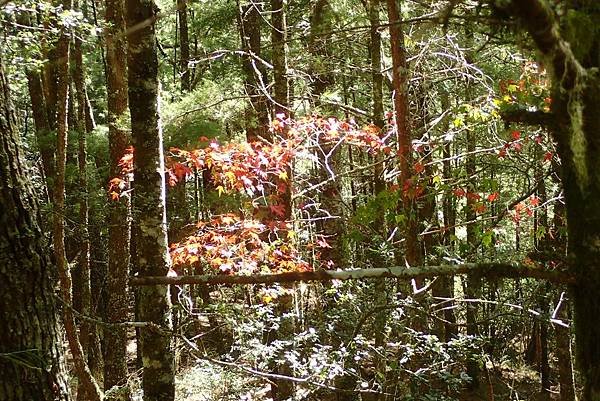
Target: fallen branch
(490,270)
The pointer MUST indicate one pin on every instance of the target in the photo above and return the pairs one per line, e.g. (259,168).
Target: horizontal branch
(523,116)
(490,270)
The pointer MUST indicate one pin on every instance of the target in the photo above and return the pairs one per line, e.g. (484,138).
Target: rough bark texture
(151,257)
(255,78)
(31,357)
(119,214)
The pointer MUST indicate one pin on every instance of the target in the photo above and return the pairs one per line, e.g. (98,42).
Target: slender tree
(403,131)
(184,45)
(61,62)
(278,43)
(119,214)
(88,334)
(152,256)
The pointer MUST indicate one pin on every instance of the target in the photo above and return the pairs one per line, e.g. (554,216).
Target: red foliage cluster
(230,244)
(259,170)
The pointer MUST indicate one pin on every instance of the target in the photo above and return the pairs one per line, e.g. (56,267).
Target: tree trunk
(402,126)
(570,54)
(119,213)
(184,45)
(61,63)
(320,49)
(88,334)
(152,256)
(375,51)
(278,41)
(28,312)
(42,127)
(255,78)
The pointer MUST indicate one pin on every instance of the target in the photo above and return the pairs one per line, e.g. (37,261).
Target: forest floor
(207,382)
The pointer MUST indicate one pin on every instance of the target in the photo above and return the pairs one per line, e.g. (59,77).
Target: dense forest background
(300,200)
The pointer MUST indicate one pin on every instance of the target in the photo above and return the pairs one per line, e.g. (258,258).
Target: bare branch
(490,270)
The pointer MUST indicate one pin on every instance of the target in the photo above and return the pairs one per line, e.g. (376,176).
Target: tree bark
(31,356)
(278,42)
(256,114)
(571,56)
(119,213)
(61,63)
(184,45)
(412,253)
(152,256)
(88,333)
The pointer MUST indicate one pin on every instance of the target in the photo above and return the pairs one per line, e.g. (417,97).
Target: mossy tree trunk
(570,48)
(151,255)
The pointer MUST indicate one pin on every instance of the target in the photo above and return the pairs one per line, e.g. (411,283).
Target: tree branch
(527,117)
(537,18)
(490,270)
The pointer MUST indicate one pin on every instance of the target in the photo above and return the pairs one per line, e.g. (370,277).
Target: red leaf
(548,156)
(473,196)
(419,168)
(515,135)
(534,200)
(493,196)
(279,210)
(322,243)
(459,192)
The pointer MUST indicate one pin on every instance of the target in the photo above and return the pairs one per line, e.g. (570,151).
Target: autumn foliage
(260,237)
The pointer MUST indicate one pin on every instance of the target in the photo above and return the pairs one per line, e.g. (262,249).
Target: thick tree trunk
(31,356)
(570,52)
(119,213)
(582,192)
(152,256)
